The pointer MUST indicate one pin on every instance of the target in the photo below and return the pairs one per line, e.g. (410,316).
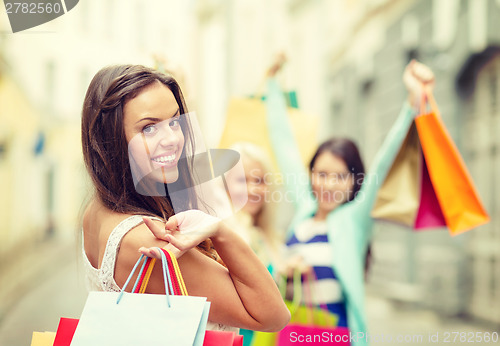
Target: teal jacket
(349,225)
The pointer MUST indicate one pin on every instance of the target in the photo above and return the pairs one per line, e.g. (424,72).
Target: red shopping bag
(429,213)
(222,338)
(65,331)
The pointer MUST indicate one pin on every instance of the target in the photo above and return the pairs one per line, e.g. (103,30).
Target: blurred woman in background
(330,233)
(256,221)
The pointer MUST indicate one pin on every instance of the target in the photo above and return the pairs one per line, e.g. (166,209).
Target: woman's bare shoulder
(98,222)
(98,217)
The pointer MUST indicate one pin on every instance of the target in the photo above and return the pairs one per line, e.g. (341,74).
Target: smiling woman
(138,148)
(154,134)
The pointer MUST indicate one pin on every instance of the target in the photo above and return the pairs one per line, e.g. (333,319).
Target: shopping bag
(428,184)
(407,195)
(67,326)
(43,338)
(178,286)
(299,334)
(246,121)
(65,331)
(398,198)
(311,325)
(429,213)
(305,315)
(209,337)
(122,318)
(222,338)
(455,190)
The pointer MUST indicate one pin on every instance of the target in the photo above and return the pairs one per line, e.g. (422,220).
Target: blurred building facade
(345,60)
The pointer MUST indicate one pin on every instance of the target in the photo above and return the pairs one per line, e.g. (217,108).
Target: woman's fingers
(415,76)
(184,242)
(153,252)
(158,231)
(422,73)
(172,223)
(150,252)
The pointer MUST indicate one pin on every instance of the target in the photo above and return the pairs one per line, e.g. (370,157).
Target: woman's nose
(168,137)
(330,183)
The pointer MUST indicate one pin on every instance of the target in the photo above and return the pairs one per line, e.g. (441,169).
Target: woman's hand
(182,231)
(415,77)
(294,264)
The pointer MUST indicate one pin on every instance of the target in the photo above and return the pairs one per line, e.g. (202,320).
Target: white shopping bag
(122,318)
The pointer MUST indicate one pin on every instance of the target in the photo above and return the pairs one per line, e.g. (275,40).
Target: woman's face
(154,135)
(256,186)
(332,183)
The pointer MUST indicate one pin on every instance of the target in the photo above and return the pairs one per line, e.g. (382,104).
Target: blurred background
(345,62)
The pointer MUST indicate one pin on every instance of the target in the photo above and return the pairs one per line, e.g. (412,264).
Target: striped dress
(310,241)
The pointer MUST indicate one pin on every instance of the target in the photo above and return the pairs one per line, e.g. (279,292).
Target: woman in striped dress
(331,228)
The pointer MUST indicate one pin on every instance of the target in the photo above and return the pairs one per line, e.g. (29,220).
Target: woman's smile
(166,159)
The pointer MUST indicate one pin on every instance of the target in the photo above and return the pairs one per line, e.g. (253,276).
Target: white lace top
(102,279)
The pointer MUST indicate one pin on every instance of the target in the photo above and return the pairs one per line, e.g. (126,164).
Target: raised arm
(243,294)
(415,75)
(285,147)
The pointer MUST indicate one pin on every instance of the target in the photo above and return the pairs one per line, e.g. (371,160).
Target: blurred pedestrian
(330,233)
(256,221)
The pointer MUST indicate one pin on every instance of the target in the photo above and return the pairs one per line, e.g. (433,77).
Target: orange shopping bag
(455,190)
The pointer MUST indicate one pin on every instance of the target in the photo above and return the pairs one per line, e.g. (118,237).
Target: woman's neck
(321,215)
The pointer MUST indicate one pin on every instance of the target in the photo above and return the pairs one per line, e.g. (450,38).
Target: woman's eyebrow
(158,119)
(149,119)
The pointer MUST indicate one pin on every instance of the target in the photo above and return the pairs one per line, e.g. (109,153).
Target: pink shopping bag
(300,334)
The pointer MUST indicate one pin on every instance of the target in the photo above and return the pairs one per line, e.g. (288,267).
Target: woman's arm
(243,295)
(383,161)
(285,147)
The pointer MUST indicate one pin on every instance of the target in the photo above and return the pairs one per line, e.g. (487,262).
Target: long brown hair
(105,148)
(347,150)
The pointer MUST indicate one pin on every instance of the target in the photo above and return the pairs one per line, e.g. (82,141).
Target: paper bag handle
(427,98)
(166,276)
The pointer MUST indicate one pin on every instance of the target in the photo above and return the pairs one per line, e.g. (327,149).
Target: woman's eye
(149,130)
(175,123)
(344,176)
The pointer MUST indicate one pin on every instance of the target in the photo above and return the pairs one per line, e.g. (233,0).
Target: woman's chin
(154,183)
(166,176)
(329,205)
